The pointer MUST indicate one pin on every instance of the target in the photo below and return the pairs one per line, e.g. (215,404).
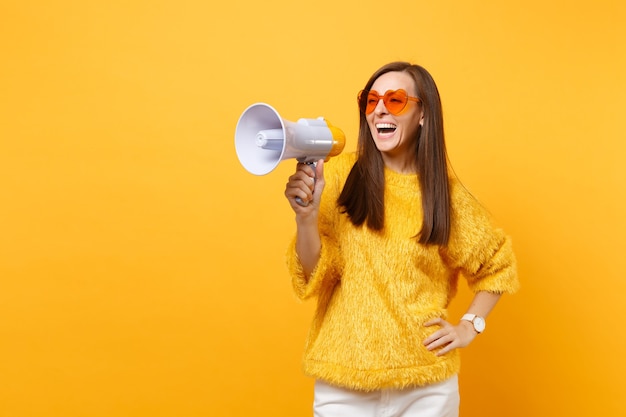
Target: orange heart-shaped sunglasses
(395,100)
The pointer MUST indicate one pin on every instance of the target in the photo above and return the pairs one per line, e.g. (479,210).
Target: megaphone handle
(298,199)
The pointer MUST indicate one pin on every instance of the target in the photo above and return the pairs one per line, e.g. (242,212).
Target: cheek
(410,130)
(411,122)
(413,129)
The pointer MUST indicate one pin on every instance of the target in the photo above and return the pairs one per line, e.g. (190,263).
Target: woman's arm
(307,184)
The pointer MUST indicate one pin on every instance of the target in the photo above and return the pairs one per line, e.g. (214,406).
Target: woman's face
(395,135)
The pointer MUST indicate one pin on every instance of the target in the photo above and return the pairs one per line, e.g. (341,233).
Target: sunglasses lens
(395,101)
(372,101)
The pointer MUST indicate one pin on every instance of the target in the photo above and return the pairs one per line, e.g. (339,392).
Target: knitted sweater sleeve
(330,264)
(481,252)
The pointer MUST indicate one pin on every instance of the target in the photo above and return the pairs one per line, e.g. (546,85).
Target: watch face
(479,324)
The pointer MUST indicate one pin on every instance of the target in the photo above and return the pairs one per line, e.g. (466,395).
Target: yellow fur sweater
(375,290)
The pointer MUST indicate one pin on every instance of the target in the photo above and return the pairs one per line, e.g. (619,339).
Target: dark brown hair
(362,197)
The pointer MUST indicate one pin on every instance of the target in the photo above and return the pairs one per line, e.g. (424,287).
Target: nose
(380,107)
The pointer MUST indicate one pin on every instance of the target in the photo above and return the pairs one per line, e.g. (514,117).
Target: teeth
(385,126)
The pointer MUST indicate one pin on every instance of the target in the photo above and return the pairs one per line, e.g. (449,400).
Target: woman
(381,245)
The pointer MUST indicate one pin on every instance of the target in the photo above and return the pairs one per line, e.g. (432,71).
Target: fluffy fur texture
(375,290)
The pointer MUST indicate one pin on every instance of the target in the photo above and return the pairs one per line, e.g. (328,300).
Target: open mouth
(385,128)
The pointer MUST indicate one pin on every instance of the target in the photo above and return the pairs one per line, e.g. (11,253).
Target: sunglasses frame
(385,98)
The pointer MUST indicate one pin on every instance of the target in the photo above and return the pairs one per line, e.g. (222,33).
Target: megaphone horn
(263,139)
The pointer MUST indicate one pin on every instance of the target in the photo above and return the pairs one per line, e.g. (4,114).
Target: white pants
(436,400)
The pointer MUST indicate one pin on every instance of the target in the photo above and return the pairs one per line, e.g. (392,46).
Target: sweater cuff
(303,287)
(499,275)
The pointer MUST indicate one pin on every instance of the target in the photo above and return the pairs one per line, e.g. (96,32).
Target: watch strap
(468,317)
(479,327)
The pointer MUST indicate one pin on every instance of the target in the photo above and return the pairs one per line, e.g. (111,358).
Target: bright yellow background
(142,269)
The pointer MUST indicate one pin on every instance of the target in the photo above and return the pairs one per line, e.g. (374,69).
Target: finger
(307,168)
(303,175)
(298,189)
(300,179)
(435,336)
(448,348)
(299,198)
(315,180)
(445,337)
(300,185)
(435,321)
(438,321)
(439,342)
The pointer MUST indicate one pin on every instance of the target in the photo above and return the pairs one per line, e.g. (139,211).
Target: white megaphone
(263,139)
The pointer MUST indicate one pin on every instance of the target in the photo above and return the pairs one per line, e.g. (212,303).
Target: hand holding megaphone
(263,139)
(305,184)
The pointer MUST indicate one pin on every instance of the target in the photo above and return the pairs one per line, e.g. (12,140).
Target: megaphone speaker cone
(257,118)
(263,139)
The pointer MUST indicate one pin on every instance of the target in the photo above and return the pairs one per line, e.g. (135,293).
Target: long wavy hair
(362,197)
